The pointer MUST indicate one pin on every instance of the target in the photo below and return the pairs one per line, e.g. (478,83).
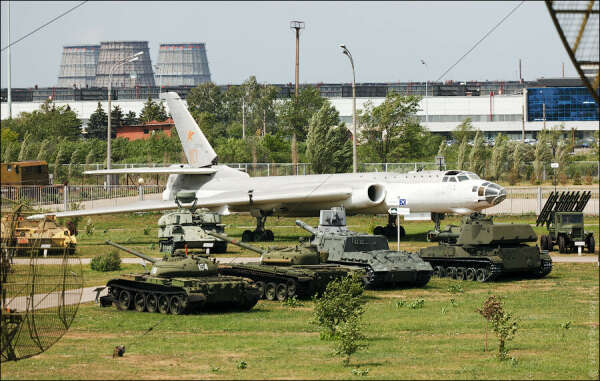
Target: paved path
(85,261)
(40,301)
(575,259)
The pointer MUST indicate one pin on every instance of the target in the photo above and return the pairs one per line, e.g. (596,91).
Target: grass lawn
(442,340)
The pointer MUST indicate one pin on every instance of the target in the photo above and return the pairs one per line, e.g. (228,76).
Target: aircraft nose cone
(501,195)
(494,194)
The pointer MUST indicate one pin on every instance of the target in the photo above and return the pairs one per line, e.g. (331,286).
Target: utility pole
(523,123)
(354,121)
(297,25)
(9,75)
(544,114)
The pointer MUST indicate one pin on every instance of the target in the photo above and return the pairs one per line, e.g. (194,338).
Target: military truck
(40,235)
(480,250)
(563,216)
(285,272)
(339,245)
(178,284)
(186,227)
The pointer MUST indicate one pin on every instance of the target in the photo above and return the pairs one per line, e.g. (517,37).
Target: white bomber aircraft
(428,194)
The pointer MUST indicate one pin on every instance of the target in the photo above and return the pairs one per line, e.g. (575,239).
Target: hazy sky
(243,38)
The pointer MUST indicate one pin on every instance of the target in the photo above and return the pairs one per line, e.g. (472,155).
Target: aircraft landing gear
(390,230)
(436,218)
(260,234)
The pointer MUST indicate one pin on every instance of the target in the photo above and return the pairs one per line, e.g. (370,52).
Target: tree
(498,159)
(116,118)
(390,131)
(207,98)
(97,124)
(542,155)
(465,129)
(130,119)
(477,155)
(153,111)
(462,153)
(349,338)
(503,323)
(329,149)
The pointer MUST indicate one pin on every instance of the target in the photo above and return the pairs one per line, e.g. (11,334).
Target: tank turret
(178,283)
(480,250)
(371,252)
(186,227)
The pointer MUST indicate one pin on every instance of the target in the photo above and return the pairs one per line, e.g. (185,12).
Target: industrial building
(111,57)
(182,64)
(78,66)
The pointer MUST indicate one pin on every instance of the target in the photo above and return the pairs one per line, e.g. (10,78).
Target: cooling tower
(78,66)
(132,74)
(182,64)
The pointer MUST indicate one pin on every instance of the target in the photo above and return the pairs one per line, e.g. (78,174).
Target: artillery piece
(481,250)
(187,227)
(333,241)
(178,283)
(284,272)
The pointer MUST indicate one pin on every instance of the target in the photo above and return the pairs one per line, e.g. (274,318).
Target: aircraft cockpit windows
(472,176)
(484,184)
(495,186)
(445,179)
(453,179)
(462,178)
(474,189)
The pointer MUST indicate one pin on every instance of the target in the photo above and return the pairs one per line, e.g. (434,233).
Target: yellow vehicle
(32,172)
(40,235)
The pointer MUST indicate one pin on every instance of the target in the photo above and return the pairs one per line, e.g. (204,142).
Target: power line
(48,23)
(483,38)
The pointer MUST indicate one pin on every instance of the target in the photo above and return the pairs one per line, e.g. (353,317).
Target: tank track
(545,268)
(443,267)
(157,298)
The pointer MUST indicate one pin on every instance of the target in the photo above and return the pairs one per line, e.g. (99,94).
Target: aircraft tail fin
(196,147)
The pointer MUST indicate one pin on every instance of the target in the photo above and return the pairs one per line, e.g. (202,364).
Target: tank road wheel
(247,236)
(437,270)
(562,244)
(177,305)
(443,272)
(544,242)
(461,273)
(291,288)
(269,236)
(378,230)
(281,292)
(452,272)
(139,301)
(590,244)
(124,300)
(270,291)
(471,274)
(260,285)
(151,303)
(481,275)
(163,304)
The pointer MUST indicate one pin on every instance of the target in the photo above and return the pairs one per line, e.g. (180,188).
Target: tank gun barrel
(235,242)
(306,227)
(131,251)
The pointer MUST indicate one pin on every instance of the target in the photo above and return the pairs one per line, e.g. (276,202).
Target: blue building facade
(562,104)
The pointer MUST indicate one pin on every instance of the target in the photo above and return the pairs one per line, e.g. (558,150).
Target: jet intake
(368,196)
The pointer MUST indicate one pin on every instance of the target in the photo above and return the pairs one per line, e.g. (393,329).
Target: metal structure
(39,302)
(577,25)
(182,64)
(132,74)
(354,157)
(78,66)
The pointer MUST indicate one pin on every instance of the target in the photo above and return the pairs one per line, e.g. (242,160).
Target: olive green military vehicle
(178,284)
(563,216)
(371,252)
(43,235)
(481,250)
(285,272)
(187,227)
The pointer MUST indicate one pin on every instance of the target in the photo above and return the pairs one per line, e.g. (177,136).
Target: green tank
(285,272)
(483,251)
(179,283)
(371,252)
(187,227)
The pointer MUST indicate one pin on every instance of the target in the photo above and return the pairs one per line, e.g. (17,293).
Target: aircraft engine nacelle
(368,196)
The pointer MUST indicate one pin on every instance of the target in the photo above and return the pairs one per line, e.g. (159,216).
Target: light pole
(156,67)
(354,159)
(426,101)
(125,60)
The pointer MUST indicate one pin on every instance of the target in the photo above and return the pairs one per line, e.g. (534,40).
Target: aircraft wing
(229,199)
(178,170)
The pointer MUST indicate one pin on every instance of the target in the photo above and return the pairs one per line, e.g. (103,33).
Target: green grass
(276,341)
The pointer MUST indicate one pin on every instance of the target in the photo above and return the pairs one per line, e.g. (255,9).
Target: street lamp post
(156,67)
(426,101)
(354,158)
(131,58)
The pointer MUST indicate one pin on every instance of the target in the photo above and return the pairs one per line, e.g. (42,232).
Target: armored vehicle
(187,226)
(563,216)
(45,234)
(481,250)
(177,284)
(284,272)
(371,252)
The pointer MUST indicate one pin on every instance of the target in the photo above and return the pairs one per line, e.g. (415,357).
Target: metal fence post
(66,197)
(539,200)
(141,192)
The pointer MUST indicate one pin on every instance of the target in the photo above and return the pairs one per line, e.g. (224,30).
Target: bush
(577,179)
(106,262)
(349,338)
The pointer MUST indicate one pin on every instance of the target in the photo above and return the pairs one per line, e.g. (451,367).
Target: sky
(386,39)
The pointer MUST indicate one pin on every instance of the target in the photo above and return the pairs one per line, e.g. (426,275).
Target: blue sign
(401,201)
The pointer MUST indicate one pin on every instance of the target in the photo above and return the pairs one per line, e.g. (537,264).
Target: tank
(43,235)
(480,250)
(179,283)
(187,227)
(384,267)
(285,272)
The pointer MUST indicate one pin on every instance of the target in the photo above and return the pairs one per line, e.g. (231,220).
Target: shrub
(503,323)
(89,227)
(587,179)
(577,179)
(106,262)
(147,230)
(349,338)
